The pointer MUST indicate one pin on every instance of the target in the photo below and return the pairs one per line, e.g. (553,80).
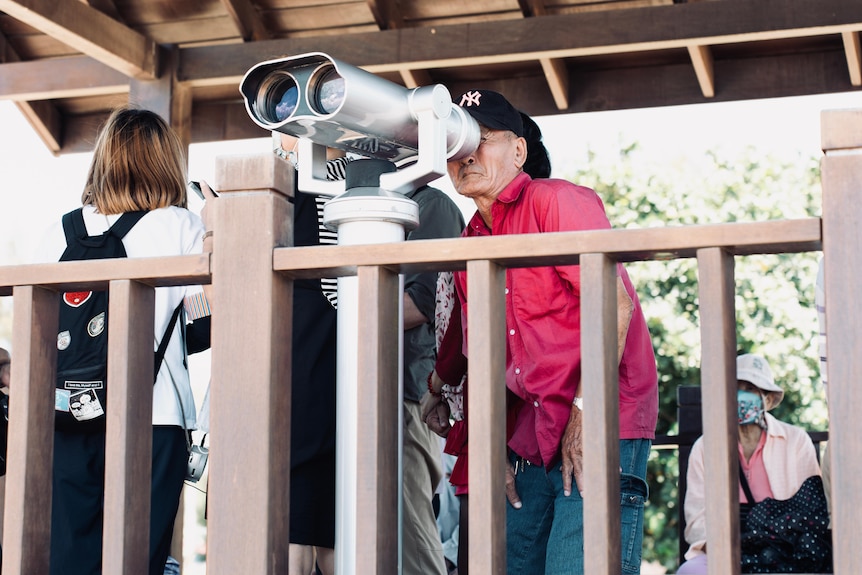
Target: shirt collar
(513,191)
(510,194)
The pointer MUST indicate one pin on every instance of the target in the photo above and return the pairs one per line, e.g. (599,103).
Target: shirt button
(535,404)
(511,332)
(507,291)
(517,370)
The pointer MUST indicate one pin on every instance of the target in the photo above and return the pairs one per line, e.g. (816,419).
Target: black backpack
(82,338)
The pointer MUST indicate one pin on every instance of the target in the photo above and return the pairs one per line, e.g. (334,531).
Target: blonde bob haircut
(138,165)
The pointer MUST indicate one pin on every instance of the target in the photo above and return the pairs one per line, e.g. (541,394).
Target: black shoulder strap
(75,228)
(73,225)
(166,339)
(126,222)
(745,488)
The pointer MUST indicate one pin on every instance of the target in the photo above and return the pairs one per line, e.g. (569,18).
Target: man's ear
(520,152)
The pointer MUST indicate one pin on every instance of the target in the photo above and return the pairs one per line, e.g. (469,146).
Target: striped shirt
(335,171)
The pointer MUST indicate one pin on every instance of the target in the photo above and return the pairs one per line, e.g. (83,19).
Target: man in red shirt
(543,364)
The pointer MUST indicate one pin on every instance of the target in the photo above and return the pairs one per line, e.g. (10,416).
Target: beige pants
(422,549)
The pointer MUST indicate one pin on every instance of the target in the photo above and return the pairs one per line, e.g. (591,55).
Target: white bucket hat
(755,369)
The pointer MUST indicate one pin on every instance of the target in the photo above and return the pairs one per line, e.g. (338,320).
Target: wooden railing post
(600,380)
(377,446)
(27,518)
(129,441)
(486,421)
(249,476)
(718,380)
(842,226)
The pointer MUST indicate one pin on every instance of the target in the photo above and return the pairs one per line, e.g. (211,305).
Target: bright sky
(37,188)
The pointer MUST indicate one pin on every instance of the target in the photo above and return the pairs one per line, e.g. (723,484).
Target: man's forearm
(625,309)
(412,316)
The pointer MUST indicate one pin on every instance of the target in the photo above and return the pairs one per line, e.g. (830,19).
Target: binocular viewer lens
(278,98)
(327,90)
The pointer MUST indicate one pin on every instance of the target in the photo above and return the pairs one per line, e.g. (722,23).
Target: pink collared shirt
(755,473)
(543,360)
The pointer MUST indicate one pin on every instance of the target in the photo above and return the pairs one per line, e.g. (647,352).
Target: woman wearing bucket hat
(775,458)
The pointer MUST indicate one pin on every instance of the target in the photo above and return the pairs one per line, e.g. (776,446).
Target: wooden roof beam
(42,116)
(91,32)
(108,7)
(701,59)
(853,48)
(45,120)
(773,76)
(555,69)
(247,19)
(563,36)
(416,78)
(74,76)
(557,76)
(387,14)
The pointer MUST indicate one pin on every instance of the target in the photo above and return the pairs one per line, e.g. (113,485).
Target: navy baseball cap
(492,110)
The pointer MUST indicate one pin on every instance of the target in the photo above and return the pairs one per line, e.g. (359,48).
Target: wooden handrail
(96,274)
(524,250)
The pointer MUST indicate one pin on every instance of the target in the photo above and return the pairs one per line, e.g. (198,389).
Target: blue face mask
(750,408)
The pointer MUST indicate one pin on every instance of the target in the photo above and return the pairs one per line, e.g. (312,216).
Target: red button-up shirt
(543,359)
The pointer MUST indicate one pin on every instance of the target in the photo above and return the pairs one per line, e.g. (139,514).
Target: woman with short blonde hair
(138,165)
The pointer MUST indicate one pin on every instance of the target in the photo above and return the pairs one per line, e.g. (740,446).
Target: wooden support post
(486,425)
(129,441)
(842,226)
(27,517)
(377,448)
(249,476)
(600,381)
(166,95)
(718,381)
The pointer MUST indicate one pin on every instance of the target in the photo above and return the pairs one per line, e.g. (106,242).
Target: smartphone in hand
(196,187)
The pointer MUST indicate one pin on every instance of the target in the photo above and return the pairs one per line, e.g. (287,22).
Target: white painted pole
(362,219)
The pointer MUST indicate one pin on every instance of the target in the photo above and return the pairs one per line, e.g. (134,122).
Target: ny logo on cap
(470,98)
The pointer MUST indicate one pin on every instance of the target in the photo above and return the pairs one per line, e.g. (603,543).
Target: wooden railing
(250,395)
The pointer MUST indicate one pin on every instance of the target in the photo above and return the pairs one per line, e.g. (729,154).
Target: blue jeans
(546,535)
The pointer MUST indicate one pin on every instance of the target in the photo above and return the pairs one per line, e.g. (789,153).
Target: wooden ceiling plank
(701,59)
(595,33)
(557,76)
(90,32)
(75,76)
(853,48)
(247,19)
